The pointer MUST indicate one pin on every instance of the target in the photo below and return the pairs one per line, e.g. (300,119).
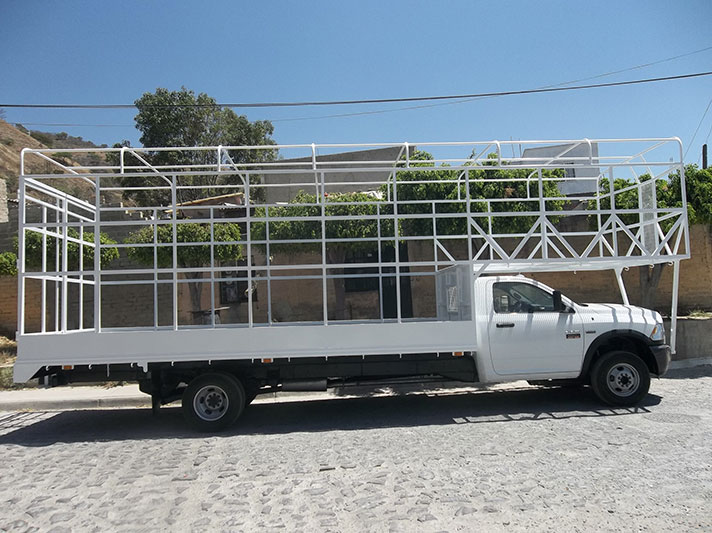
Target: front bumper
(662,355)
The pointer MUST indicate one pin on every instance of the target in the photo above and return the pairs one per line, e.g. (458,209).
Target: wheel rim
(623,379)
(210,403)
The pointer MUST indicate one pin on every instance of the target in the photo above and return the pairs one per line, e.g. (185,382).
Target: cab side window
(518,297)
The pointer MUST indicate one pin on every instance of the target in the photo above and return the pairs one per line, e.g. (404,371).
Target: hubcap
(623,379)
(210,403)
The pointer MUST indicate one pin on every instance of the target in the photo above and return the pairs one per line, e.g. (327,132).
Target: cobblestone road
(525,459)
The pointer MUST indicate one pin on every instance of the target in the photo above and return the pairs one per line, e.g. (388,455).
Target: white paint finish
(113,347)
(523,343)
(537,344)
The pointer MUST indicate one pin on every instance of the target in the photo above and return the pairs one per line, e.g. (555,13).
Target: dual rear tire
(213,401)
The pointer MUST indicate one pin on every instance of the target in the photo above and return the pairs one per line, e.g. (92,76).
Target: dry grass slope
(12,141)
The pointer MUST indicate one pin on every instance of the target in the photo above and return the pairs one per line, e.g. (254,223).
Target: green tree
(309,227)
(33,253)
(182,119)
(33,250)
(440,183)
(698,187)
(8,264)
(445,183)
(195,256)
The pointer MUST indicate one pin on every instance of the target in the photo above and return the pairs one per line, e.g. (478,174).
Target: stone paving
(453,460)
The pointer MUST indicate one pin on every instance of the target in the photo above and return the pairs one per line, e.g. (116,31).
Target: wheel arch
(619,339)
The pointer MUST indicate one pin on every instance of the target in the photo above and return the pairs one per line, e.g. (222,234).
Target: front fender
(625,336)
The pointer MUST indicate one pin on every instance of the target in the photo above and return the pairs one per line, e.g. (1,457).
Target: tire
(620,378)
(213,402)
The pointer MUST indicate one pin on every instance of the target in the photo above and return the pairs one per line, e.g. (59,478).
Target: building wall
(542,154)
(695,289)
(339,182)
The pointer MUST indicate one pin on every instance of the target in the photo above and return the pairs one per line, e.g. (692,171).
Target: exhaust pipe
(303,386)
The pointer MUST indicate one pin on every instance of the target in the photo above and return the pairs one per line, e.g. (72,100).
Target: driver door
(526,335)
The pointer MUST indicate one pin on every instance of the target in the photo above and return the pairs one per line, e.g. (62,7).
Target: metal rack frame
(660,235)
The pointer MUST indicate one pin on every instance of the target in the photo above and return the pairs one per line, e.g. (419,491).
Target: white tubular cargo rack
(492,207)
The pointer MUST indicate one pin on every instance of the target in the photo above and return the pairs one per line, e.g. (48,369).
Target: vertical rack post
(81,275)
(212,264)
(57,265)
(380,262)
(174,225)
(21,250)
(470,270)
(324,285)
(43,312)
(673,305)
(598,207)
(65,263)
(248,226)
(396,234)
(621,285)
(97,255)
(268,263)
(542,217)
(155,268)
(614,224)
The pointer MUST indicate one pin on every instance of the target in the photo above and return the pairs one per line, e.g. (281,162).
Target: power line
(698,128)
(708,135)
(597,76)
(636,67)
(367,101)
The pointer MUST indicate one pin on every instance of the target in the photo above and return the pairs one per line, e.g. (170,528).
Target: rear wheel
(620,378)
(213,402)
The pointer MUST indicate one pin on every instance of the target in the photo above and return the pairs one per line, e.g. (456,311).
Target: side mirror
(559,306)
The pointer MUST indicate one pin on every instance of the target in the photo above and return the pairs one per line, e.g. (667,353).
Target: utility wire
(597,76)
(366,101)
(698,128)
(381,111)
(636,67)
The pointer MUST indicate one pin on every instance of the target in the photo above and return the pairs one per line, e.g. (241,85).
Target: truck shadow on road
(481,407)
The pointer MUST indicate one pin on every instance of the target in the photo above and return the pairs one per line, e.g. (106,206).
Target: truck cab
(531,331)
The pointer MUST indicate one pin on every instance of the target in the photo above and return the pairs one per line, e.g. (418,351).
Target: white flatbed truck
(486,323)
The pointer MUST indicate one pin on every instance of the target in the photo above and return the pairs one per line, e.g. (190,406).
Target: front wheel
(213,402)
(620,378)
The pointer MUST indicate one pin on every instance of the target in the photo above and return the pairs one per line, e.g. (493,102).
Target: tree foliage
(8,264)
(188,256)
(33,250)
(412,186)
(698,188)
(304,207)
(194,256)
(182,119)
(484,183)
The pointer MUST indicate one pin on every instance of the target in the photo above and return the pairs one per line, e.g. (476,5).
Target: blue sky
(112,52)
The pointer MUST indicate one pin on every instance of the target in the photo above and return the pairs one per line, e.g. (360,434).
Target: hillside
(63,140)
(13,140)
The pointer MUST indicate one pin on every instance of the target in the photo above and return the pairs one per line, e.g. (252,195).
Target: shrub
(8,264)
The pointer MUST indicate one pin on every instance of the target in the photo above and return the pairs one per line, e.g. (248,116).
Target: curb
(72,404)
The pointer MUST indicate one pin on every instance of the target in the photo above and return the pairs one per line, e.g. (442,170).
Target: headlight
(658,333)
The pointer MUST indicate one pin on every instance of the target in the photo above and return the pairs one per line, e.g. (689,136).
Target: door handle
(506,325)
